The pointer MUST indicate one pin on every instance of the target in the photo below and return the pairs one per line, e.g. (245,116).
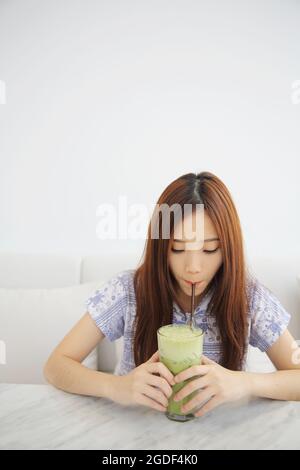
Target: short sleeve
(107,307)
(269,318)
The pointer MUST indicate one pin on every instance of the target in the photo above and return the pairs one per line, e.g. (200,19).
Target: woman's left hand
(217,385)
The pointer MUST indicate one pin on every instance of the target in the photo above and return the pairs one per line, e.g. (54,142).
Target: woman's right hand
(142,387)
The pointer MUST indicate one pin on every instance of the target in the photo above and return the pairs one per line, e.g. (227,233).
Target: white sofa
(42,297)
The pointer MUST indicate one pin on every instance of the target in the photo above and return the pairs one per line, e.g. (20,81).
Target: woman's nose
(194,263)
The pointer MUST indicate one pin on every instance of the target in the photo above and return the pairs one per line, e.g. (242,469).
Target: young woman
(232,308)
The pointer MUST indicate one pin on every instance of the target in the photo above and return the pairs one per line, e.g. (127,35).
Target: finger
(205,394)
(156,394)
(191,387)
(160,383)
(206,360)
(146,401)
(191,372)
(210,405)
(154,357)
(160,368)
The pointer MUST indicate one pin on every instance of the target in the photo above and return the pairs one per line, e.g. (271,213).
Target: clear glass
(180,347)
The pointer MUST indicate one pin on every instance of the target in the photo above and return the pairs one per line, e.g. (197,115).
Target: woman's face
(199,262)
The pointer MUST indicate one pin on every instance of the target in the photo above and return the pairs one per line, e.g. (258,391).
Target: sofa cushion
(33,322)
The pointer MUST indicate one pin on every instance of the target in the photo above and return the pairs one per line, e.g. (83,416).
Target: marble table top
(42,417)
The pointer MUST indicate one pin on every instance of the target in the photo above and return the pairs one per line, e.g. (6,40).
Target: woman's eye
(204,251)
(210,251)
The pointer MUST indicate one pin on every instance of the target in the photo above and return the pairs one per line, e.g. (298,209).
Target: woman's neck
(184,301)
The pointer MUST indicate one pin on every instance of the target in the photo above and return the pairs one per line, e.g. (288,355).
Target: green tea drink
(180,347)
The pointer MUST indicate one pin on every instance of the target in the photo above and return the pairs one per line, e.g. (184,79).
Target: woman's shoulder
(268,317)
(126,279)
(119,285)
(108,304)
(252,286)
(256,290)
(126,276)
(261,298)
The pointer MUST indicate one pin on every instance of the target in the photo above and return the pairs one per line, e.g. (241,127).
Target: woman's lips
(197,284)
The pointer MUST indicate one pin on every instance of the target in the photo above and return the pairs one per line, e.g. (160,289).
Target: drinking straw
(192,306)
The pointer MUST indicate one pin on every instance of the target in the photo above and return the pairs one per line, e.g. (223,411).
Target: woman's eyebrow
(190,241)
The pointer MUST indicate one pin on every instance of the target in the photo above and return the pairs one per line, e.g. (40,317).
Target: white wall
(110,98)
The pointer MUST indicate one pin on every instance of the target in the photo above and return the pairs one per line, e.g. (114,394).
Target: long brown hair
(154,283)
